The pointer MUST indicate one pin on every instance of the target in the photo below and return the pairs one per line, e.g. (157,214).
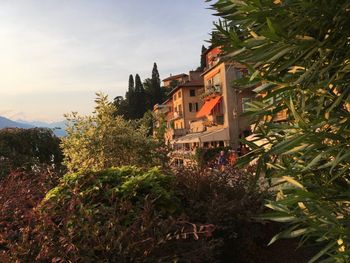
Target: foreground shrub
(117,215)
(230,201)
(20,192)
(104,140)
(128,215)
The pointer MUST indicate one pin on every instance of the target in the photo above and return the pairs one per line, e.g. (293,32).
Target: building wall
(180,79)
(224,74)
(187,99)
(178,109)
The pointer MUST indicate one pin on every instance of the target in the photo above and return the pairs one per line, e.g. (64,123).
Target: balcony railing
(179,132)
(211,90)
(177,114)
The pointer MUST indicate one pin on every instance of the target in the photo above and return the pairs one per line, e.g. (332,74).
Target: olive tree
(298,53)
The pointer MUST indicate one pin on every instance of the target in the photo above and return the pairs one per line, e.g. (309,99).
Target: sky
(55,54)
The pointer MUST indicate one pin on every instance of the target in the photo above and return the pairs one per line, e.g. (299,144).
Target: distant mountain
(7,123)
(58,127)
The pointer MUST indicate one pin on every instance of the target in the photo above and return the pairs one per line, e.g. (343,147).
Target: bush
(20,192)
(208,157)
(229,201)
(23,148)
(116,215)
(103,140)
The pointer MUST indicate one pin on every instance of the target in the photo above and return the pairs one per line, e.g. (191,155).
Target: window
(179,94)
(190,107)
(174,97)
(240,73)
(192,92)
(245,104)
(196,106)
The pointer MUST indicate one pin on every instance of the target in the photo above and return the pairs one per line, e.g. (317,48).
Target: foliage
(20,192)
(140,97)
(208,157)
(230,201)
(23,148)
(115,215)
(299,52)
(203,59)
(154,91)
(129,215)
(103,140)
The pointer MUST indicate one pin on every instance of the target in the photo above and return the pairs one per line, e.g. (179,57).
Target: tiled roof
(175,77)
(187,84)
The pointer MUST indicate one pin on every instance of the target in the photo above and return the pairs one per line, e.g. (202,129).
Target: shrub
(103,140)
(229,201)
(209,156)
(116,215)
(20,192)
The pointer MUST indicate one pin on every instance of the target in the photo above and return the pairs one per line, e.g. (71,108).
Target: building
(173,80)
(219,122)
(182,106)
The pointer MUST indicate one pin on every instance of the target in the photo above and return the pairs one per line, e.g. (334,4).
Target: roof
(175,77)
(208,106)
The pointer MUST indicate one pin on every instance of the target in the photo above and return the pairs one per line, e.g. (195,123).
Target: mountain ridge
(58,128)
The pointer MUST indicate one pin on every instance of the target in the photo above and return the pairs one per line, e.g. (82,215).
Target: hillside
(58,127)
(7,123)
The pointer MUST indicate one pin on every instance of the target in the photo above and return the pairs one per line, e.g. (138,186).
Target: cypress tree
(156,91)
(140,98)
(131,83)
(138,83)
(203,60)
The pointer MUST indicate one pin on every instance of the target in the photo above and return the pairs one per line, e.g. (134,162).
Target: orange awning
(208,106)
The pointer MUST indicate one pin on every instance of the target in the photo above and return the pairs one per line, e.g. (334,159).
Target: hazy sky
(55,54)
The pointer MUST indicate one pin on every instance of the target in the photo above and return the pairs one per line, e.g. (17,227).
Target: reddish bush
(20,192)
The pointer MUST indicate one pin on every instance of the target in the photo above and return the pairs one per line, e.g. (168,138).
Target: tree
(140,99)
(103,140)
(298,53)
(154,91)
(121,106)
(25,148)
(131,84)
(203,59)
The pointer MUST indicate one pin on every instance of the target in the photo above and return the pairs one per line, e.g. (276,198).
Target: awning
(189,138)
(207,136)
(215,135)
(208,106)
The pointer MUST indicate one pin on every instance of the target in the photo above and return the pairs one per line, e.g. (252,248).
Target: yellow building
(219,122)
(186,103)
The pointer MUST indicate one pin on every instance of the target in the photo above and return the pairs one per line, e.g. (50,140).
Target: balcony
(177,115)
(211,90)
(179,132)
